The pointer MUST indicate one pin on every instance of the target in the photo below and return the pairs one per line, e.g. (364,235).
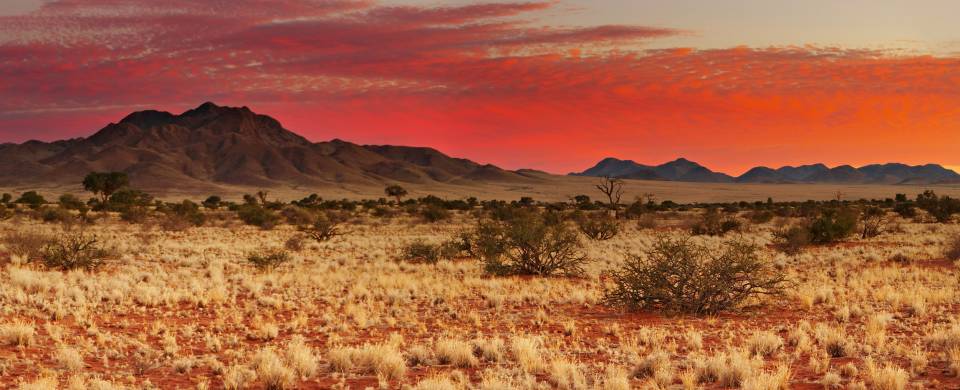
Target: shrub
(27,245)
(134,214)
(647,221)
(527,244)
(714,224)
(74,251)
(760,216)
(182,215)
(598,226)
(32,199)
(56,214)
(125,199)
(791,240)
(833,225)
(434,213)
(268,259)
(325,227)
(212,202)
(4,212)
(71,202)
(953,248)
(255,215)
(678,275)
(873,220)
(420,251)
(297,216)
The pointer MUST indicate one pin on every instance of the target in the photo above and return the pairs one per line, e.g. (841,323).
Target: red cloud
(475,81)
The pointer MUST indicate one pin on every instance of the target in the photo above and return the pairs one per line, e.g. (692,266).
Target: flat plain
(184,308)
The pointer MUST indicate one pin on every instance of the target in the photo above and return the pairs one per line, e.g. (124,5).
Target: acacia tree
(105,184)
(395,191)
(613,188)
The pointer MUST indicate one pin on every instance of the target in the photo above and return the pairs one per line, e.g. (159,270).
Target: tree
(873,220)
(105,183)
(395,191)
(31,199)
(262,195)
(213,202)
(613,188)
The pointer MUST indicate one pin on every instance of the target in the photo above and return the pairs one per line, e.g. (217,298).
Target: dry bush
(678,275)
(74,251)
(17,333)
(269,259)
(380,359)
(528,243)
(953,248)
(599,226)
(422,252)
(26,244)
(456,353)
(714,224)
(325,227)
(791,240)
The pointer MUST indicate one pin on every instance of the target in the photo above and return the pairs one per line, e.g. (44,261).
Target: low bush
(297,216)
(953,248)
(434,213)
(714,224)
(32,199)
(255,215)
(268,259)
(678,275)
(28,245)
(56,215)
(74,251)
(325,227)
(422,252)
(760,216)
(833,225)
(527,244)
(791,240)
(598,226)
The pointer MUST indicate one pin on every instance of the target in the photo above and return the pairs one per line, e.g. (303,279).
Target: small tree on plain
(105,184)
(395,191)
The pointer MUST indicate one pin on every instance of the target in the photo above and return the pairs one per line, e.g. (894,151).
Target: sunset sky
(553,85)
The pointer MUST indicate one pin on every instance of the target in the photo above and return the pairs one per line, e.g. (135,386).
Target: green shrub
(833,225)
(212,202)
(71,202)
(526,244)
(434,213)
(255,215)
(126,199)
(31,199)
(74,251)
(134,214)
(760,216)
(678,275)
(598,226)
(268,259)
(325,227)
(420,251)
(56,214)
(180,216)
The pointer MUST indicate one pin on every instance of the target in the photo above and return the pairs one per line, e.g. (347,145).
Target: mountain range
(689,171)
(214,147)
(232,146)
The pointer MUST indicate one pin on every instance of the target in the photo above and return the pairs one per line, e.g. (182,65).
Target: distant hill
(688,171)
(212,144)
(678,170)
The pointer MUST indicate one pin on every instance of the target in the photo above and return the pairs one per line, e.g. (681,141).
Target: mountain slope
(226,145)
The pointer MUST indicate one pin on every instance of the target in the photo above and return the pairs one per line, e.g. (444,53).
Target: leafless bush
(74,251)
(598,226)
(678,275)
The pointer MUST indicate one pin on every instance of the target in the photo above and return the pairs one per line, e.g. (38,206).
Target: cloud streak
(489,81)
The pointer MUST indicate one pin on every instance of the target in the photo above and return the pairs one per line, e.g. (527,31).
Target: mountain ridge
(888,173)
(213,144)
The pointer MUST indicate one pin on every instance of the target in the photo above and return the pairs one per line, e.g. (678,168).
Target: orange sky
(481,81)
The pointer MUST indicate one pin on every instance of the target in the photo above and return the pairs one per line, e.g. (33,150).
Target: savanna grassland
(432,294)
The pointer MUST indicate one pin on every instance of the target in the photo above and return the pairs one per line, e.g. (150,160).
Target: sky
(553,85)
